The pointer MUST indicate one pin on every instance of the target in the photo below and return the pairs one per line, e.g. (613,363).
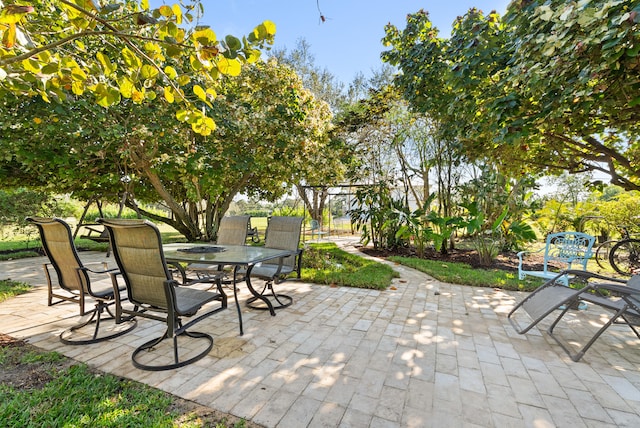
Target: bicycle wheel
(625,256)
(602,253)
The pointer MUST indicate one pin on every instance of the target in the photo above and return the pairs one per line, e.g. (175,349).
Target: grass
(327,264)
(10,288)
(73,395)
(464,274)
(47,389)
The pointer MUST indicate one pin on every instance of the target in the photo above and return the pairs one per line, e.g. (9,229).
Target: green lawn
(463,274)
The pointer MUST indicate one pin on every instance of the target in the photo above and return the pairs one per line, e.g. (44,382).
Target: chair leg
(150,345)
(282,300)
(66,336)
(74,298)
(578,355)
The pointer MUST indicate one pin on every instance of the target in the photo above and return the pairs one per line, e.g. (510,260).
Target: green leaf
(233,43)
(50,68)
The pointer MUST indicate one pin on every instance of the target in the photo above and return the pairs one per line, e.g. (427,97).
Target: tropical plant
(376,214)
(487,238)
(415,227)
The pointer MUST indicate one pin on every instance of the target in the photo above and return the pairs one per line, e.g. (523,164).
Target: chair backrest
(233,230)
(57,242)
(137,249)
(569,247)
(314,224)
(284,233)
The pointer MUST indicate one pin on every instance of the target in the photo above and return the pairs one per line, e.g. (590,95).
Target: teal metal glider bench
(562,250)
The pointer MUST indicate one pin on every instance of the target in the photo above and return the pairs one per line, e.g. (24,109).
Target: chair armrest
(105,267)
(521,254)
(588,275)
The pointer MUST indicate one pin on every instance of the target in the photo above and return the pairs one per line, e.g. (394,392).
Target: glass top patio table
(230,255)
(237,256)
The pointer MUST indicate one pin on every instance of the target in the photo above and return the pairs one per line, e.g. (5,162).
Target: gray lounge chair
(620,297)
(75,281)
(137,248)
(282,233)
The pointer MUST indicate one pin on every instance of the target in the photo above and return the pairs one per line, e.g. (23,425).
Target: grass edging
(464,274)
(9,288)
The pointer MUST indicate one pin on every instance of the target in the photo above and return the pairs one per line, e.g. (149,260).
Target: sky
(349,40)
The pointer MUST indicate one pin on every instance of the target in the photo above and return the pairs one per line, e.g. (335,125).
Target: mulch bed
(505,261)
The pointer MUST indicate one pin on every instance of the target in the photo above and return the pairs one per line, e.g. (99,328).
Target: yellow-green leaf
(168,94)
(166,11)
(148,72)
(78,74)
(177,11)
(130,59)
(270,27)
(31,65)
(231,67)
(107,66)
(170,72)
(50,68)
(126,87)
(182,115)
(77,87)
(205,37)
(9,36)
(195,63)
(144,4)
(197,89)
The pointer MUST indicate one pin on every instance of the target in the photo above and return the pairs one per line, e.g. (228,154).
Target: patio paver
(421,354)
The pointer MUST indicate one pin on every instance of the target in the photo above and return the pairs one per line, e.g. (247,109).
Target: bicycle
(604,250)
(623,254)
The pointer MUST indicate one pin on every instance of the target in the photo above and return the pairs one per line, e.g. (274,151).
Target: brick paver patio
(421,354)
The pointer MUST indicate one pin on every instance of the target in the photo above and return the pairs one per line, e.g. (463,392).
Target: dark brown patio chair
(75,281)
(137,248)
(232,231)
(620,297)
(282,233)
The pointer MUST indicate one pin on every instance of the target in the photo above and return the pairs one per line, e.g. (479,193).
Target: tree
(268,130)
(554,86)
(61,49)
(313,186)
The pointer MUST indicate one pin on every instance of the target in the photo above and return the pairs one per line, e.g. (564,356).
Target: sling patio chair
(619,297)
(137,249)
(232,231)
(282,233)
(75,281)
